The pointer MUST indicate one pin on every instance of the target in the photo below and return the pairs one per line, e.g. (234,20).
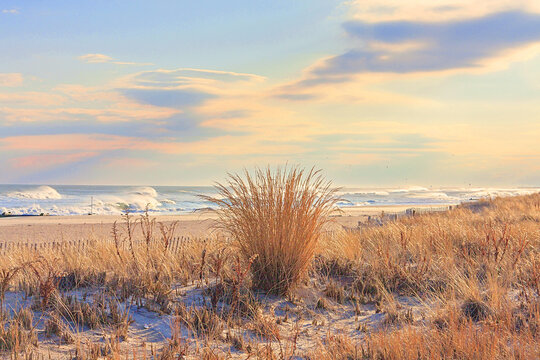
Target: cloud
(11,79)
(189,76)
(31,99)
(433,10)
(10,11)
(44,161)
(89,143)
(401,47)
(202,98)
(127,108)
(127,163)
(294,97)
(177,98)
(95,58)
(68,142)
(75,103)
(102,59)
(120,112)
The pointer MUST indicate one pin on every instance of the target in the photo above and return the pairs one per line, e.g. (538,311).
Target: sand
(199,224)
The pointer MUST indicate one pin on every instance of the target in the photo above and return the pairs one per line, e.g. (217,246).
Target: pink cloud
(128,162)
(11,79)
(68,142)
(120,113)
(31,98)
(96,142)
(42,161)
(102,58)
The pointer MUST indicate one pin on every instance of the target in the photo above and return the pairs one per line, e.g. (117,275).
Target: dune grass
(461,284)
(275,218)
(476,268)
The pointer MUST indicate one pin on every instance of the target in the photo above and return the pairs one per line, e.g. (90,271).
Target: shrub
(276,218)
(16,332)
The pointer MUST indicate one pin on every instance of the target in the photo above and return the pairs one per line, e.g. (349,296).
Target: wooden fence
(6,247)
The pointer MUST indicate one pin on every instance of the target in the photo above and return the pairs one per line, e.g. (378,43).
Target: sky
(375,93)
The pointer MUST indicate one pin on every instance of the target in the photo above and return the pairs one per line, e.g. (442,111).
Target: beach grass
(460,284)
(275,218)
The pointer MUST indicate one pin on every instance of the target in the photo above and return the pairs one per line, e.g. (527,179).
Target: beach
(32,229)
(390,280)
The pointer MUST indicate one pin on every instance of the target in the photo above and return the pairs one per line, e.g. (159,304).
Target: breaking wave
(43,192)
(109,200)
(145,191)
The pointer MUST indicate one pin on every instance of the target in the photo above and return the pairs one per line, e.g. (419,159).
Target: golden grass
(475,270)
(275,218)
(458,250)
(478,265)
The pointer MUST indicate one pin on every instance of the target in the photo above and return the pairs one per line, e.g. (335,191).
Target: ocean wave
(72,200)
(133,202)
(145,191)
(437,195)
(43,192)
(188,192)
(491,192)
(364,193)
(410,189)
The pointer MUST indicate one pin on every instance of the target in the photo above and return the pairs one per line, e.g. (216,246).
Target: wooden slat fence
(422,210)
(6,247)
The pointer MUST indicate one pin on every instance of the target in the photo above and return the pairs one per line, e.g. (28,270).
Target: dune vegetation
(273,282)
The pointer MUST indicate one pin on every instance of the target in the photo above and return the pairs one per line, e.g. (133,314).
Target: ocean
(82,200)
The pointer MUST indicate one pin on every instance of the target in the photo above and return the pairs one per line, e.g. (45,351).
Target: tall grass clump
(276,218)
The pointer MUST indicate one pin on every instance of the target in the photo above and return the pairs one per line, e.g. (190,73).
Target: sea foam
(39,193)
(108,200)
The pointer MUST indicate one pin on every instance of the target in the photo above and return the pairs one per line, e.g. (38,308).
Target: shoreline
(368,210)
(38,229)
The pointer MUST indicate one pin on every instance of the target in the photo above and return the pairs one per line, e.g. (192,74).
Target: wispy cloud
(186,76)
(170,98)
(401,47)
(10,11)
(45,161)
(11,79)
(125,112)
(435,10)
(30,99)
(102,58)
(203,79)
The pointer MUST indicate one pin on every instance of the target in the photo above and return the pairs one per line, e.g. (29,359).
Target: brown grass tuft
(278,217)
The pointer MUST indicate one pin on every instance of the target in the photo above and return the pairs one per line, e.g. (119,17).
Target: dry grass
(460,250)
(16,331)
(276,219)
(478,265)
(473,271)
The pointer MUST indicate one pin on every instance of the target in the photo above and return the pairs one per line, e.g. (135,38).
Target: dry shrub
(265,328)
(461,340)
(16,331)
(55,326)
(201,321)
(278,217)
(337,347)
(335,291)
(475,310)
(6,276)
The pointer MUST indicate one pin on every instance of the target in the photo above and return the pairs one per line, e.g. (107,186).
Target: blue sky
(180,92)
